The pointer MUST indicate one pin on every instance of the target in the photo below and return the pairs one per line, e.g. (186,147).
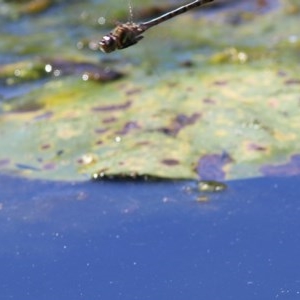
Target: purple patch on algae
(45,116)
(292,81)
(101,130)
(256,147)
(179,123)
(49,166)
(287,169)
(129,126)
(4,162)
(210,167)
(109,120)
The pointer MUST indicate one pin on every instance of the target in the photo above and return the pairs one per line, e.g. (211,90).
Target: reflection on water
(123,240)
(76,207)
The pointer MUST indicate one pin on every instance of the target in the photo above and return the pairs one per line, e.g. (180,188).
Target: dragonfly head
(108,43)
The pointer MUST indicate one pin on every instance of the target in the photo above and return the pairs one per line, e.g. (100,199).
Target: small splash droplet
(118,139)
(242,57)
(85,77)
(48,68)
(57,73)
(211,186)
(101,21)
(88,159)
(202,198)
(293,39)
(17,72)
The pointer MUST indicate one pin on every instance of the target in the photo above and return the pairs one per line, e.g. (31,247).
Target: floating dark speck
(129,126)
(109,120)
(45,146)
(256,147)
(220,82)
(187,64)
(282,73)
(143,143)
(99,142)
(28,106)
(102,75)
(101,130)
(170,162)
(209,101)
(179,123)
(112,107)
(133,91)
(60,152)
(87,70)
(45,116)
(49,166)
(292,81)
(184,120)
(124,177)
(27,167)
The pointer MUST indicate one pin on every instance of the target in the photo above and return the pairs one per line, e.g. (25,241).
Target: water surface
(125,240)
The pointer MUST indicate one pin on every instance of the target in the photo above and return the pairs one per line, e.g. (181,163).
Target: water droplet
(85,77)
(87,159)
(211,186)
(293,39)
(118,139)
(101,21)
(48,68)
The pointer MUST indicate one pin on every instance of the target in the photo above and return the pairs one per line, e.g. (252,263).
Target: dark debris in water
(42,68)
(128,127)
(113,107)
(87,70)
(170,162)
(28,106)
(103,176)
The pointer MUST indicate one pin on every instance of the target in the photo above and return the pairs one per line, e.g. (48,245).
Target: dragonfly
(127,34)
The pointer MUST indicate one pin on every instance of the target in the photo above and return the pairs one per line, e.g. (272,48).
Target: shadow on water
(126,240)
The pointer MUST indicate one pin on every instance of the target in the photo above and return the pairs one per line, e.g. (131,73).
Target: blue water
(125,240)
(122,240)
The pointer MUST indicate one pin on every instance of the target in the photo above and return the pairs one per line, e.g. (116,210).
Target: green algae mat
(213,94)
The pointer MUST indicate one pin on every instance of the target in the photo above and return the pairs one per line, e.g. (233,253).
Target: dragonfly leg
(130,42)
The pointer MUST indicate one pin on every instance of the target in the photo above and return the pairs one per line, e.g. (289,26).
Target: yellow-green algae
(196,91)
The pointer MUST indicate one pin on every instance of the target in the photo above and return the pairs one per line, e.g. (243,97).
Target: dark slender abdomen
(175,13)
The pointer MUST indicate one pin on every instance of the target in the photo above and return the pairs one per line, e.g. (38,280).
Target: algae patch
(221,102)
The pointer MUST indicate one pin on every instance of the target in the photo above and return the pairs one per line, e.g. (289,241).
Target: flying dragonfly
(127,34)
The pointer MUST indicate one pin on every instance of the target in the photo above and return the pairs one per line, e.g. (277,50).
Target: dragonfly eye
(108,44)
